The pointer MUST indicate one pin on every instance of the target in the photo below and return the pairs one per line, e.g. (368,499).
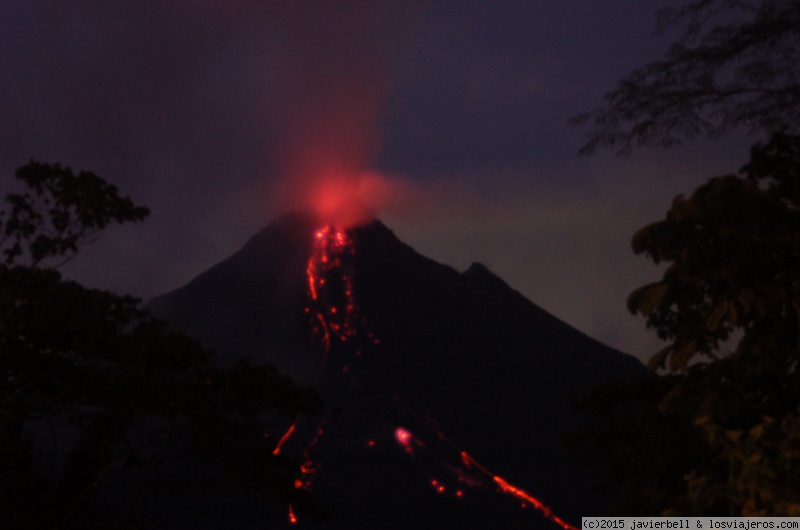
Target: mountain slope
(463,362)
(250,304)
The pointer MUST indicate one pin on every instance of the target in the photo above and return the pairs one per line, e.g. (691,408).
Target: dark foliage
(639,451)
(109,417)
(733,249)
(734,66)
(59,211)
(728,306)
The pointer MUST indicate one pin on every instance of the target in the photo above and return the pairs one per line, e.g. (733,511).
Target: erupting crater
(446,391)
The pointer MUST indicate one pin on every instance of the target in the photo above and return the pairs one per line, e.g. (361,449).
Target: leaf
(733,436)
(643,239)
(647,299)
(659,358)
(680,359)
(719,314)
(59,211)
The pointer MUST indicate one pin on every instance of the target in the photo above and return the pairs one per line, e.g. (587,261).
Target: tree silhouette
(727,421)
(735,65)
(107,415)
(59,211)
(717,430)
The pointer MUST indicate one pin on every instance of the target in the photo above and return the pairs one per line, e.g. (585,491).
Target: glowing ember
(283,439)
(522,495)
(402,436)
(335,317)
(308,468)
(292,516)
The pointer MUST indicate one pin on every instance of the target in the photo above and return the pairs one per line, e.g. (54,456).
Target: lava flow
(450,460)
(336,319)
(340,328)
(336,322)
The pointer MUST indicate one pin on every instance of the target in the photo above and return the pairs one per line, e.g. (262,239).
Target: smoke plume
(335,63)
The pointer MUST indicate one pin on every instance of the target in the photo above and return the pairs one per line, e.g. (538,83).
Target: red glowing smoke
(333,68)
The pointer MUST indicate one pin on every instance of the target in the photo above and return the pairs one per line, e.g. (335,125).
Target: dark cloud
(221,91)
(191,106)
(336,63)
(125,88)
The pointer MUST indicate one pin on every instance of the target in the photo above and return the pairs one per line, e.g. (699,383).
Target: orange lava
(283,439)
(334,318)
(405,439)
(536,503)
(402,436)
(339,327)
(330,287)
(510,489)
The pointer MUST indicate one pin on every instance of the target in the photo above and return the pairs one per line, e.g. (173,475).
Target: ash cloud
(191,106)
(338,65)
(206,86)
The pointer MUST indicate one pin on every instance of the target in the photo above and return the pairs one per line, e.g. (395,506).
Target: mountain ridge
(462,357)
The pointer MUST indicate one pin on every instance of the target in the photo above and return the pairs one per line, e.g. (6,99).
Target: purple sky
(214,113)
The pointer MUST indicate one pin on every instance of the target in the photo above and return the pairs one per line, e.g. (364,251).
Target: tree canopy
(735,65)
(110,418)
(734,252)
(727,419)
(715,429)
(58,211)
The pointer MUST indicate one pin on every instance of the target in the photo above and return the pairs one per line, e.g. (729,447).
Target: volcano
(450,392)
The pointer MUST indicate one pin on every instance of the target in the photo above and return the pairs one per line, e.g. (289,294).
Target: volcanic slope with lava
(449,393)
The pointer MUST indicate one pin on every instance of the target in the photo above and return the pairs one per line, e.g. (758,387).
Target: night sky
(220,114)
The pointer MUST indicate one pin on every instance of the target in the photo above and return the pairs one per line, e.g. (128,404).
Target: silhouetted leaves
(640,451)
(733,249)
(727,420)
(107,415)
(59,211)
(734,66)
(728,304)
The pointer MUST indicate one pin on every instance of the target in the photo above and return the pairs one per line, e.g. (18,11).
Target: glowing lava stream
(330,288)
(335,318)
(407,441)
(339,325)
(521,494)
